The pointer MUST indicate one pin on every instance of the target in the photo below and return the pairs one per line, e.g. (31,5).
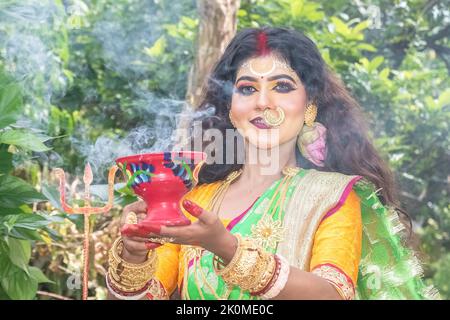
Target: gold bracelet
(245,271)
(129,276)
(127,288)
(233,261)
(254,264)
(266,275)
(251,268)
(117,250)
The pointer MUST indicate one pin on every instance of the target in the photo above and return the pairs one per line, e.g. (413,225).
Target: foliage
(19,226)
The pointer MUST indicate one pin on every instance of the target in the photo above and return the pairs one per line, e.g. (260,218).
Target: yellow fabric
(338,240)
(169,271)
(167,268)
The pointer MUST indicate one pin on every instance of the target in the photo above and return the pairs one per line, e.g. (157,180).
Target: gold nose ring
(271,120)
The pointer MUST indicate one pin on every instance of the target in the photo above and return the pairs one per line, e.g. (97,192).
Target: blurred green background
(77,77)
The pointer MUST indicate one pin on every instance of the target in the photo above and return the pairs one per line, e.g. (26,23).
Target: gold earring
(231,120)
(310,114)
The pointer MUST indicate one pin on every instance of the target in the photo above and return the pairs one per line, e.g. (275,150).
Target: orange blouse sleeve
(336,251)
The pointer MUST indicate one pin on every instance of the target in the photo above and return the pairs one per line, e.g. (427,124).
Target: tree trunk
(217,26)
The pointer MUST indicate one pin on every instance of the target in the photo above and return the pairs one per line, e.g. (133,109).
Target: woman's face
(267,83)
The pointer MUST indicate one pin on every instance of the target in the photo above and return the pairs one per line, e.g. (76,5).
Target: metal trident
(86,210)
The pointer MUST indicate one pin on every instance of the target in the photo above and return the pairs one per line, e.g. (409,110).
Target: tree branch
(53,295)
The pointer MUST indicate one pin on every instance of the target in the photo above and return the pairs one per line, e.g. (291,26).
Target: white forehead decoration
(274,63)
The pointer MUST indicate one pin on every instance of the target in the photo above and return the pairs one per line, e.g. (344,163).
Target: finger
(137,239)
(181,232)
(146,228)
(141,230)
(139,247)
(138,207)
(198,212)
(141,216)
(135,247)
(135,208)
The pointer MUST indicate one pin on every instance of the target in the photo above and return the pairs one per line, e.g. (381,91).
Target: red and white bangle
(279,279)
(337,278)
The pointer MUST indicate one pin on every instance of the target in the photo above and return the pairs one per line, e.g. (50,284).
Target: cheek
(295,111)
(240,106)
(295,114)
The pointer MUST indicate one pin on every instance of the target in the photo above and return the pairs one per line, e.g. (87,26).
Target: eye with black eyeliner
(245,90)
(284,87)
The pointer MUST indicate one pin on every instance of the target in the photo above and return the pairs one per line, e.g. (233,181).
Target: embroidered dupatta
(388,269)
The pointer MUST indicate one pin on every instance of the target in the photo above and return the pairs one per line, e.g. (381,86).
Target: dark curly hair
(350,150)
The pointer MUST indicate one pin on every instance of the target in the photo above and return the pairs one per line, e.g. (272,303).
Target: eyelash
(287,88)
(287,85)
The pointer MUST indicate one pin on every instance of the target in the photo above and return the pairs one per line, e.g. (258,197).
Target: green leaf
(296,8)
(19,285)
(25,139)
(384,73)
(158,48)
(5,159)
(444,99)
(366,47)
(38,275)
(125,190)
(25,234)
(375,63)
(31,221)
(19,253)
(52,194)
(5,262)
(10,102)
(189,22)
(242,13)
(14,192)
(360,27)
(341,27)
(430,102)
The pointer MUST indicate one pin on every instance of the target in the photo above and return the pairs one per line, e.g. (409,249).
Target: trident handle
(87,210)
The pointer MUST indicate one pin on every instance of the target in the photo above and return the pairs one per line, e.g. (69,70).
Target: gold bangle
(126,287)
(251,268)
(220,271)
(267,275)
(117,250)
(129,276)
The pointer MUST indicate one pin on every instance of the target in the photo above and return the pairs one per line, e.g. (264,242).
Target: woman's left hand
(207,232)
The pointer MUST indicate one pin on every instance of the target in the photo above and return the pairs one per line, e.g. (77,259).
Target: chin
(263,144)
(261,139)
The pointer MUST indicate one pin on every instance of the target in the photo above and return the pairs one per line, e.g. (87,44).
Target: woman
(314,227)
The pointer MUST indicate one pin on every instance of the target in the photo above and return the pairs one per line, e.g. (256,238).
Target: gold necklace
(219,194)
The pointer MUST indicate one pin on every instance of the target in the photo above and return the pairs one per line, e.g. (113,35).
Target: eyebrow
(270,78)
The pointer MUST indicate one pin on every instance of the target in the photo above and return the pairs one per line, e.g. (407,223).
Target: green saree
(293,211)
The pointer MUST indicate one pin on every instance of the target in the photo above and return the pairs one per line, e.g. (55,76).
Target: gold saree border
(337,278)
(316,193)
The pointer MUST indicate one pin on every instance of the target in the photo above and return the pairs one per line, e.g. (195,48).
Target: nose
(263,101)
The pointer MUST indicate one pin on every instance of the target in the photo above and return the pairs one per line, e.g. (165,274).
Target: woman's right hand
(135,249)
